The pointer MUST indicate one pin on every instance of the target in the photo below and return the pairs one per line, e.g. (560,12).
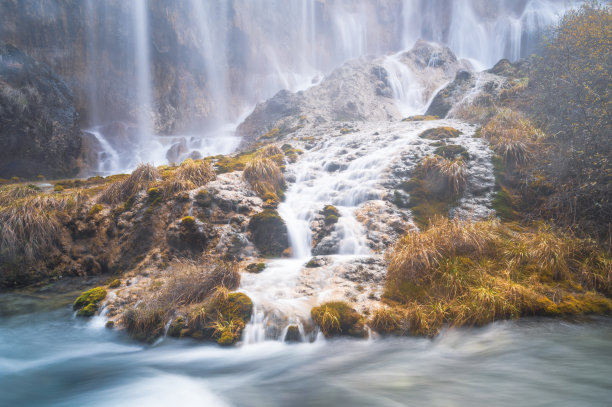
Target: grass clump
(95,209)
(512,136)
(440,133)
(264,176)
(386,321)
(87,303)
(187,176)
(337,318)
(256,267)
(460,273)
(12,193)
(420,118)
(140,179)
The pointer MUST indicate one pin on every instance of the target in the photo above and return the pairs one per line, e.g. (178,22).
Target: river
(53,359)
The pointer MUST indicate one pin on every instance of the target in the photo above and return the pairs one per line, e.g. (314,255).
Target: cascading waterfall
(246,54)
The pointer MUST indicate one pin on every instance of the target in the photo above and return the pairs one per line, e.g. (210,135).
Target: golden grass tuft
(29,225)
(189,175)
(265,176)
(140,179)
(451,173)
(512,136)
(458,272)
(11,193)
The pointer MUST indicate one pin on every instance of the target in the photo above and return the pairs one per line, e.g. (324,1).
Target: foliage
(140,179)
(337,318)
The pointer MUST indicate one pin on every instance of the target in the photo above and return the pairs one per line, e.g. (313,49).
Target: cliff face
(38,120)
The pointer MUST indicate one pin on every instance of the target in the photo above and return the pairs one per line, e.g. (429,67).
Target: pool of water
(53,359)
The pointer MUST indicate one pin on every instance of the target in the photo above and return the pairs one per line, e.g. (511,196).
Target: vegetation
(265,176)
(420,118)
(459,272)
(87,303)
(139,180)
(335,318)
(198,303)
(440,133)
(189,175)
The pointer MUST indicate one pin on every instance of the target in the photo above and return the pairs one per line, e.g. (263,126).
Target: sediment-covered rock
(39,134)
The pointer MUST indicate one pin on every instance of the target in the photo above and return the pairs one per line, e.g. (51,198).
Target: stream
(53,359)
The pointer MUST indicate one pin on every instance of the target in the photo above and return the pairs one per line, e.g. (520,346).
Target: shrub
(512,136)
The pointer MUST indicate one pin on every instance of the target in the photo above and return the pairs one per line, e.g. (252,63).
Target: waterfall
(143,76)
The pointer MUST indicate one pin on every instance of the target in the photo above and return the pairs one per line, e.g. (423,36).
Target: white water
(288,44)
(285,291)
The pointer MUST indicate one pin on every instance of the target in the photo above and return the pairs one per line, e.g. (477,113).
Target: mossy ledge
(86,304)
(338,318)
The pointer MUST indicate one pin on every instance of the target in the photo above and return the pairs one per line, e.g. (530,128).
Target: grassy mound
(462,273)
(337,318)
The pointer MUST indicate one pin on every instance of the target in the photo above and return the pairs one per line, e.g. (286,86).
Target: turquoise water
(53,359)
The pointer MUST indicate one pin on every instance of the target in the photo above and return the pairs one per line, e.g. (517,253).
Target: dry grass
(29,225)
(140,179)
(187,176)
(270,151)
(451,173)
(265,176)
(11,193)
(512,136)
(470,273)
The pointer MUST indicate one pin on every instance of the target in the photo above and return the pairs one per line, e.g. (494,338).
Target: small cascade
(409,96)
(348,171)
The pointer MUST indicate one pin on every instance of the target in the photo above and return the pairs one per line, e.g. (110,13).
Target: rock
(39,133)
(87,303)
(293,334)
(269,233)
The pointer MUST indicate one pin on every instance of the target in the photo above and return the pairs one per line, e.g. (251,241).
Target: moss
(58,188)
(203,198)
(97,208)
(420,118)
(188,222)
(345,130)
(425,204)
(87,311)
(115,283)
(452,151)
(338,318)
(313,263)
(90,297)
(154,194)
(440,133)
(109,324)
(227,338)
(503,205)
(269,233)
(256,267)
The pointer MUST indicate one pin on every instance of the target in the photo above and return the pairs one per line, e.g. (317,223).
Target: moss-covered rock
(256,267)
(420,118)
(338,318)
(440,133)
(269,233)
(293,334)
(452,151)
(87,303)
(203,198)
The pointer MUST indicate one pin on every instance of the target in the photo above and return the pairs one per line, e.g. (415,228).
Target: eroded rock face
(38,119)
(360,90)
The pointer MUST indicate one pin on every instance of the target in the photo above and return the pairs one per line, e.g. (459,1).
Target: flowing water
(290,45)
(52,359)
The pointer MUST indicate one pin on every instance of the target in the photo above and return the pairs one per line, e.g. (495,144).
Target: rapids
(51,359)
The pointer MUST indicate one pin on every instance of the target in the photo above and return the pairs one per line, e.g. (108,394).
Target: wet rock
(269,233)
(39,132)
(293,334)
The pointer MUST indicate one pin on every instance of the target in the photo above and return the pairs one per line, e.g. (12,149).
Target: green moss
(269,233)
(313,263)
(338,318)
(87,311)
(440,133)
(154,194)
(203,198)
(256,267)
(177,327)
(115,283)
(92,296)
(424,203)
(188,222)
(109,324)
(452,151)
(420,118)
(227,338)
(95,209)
